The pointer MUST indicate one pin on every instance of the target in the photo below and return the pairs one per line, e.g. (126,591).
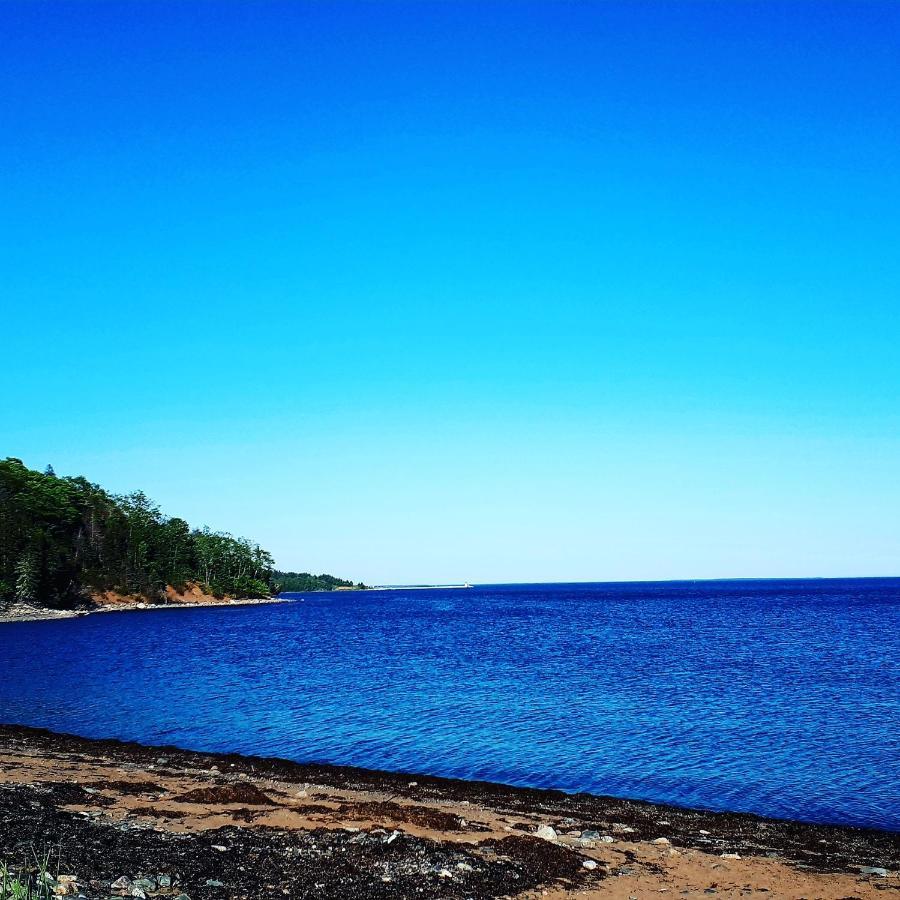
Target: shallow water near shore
(775,697)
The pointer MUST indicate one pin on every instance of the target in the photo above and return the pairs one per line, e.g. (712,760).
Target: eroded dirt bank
(125,819)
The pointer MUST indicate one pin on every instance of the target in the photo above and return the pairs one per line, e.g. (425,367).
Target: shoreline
(378,834)
(22,612)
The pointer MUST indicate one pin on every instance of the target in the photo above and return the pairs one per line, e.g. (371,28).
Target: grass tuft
(32,882)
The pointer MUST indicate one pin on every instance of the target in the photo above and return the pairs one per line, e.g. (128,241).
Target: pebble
(164,881)
(445,873)
(873,870)
(546,832)
(220,848)
(121,884)
(731,856)
(589,864)
(662,842)
(591,835)
(214,882)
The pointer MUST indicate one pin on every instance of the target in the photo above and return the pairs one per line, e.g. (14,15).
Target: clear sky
(486,292)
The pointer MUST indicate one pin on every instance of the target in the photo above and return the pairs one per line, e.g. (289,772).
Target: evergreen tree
(62,538)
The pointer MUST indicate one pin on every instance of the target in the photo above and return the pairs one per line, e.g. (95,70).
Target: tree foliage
(63,537)
(302,582)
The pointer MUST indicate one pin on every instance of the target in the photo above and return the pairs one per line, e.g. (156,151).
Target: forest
(300,582)
(64,538)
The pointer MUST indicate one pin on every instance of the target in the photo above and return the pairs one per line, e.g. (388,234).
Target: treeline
(63,538)
(300,582)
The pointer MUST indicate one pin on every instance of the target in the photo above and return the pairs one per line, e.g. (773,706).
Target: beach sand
(221,826)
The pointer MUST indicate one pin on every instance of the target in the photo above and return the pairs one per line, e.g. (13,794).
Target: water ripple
(781,698)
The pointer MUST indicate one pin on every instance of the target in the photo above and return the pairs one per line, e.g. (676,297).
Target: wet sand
(221,826)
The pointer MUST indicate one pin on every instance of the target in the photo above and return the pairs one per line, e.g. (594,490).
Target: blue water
(776,697)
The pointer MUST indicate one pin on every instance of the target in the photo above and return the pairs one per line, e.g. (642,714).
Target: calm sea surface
(776,697)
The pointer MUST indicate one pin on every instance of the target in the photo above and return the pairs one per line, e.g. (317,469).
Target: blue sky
(486,292)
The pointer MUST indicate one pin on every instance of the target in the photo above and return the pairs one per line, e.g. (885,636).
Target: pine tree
(28,576)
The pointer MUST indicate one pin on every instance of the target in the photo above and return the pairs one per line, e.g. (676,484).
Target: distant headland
(67,546)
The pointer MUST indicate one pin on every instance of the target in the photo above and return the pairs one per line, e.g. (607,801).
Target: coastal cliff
(66,544)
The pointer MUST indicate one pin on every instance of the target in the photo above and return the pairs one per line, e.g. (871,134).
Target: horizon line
(638,581)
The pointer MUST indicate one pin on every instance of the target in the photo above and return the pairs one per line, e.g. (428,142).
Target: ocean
(775,697)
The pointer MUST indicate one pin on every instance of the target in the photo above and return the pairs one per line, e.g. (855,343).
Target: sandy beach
(125,819)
